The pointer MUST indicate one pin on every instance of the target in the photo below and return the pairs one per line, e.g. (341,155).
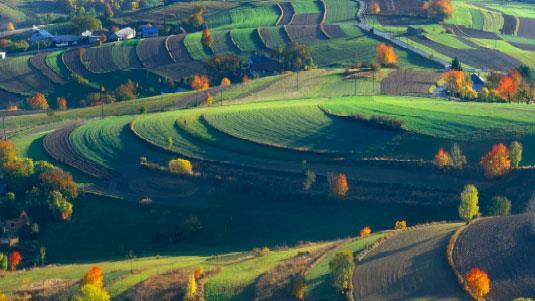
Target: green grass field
(245,17)
(195,47)
(306,7)
(54,61)
(247,39)
(341,11)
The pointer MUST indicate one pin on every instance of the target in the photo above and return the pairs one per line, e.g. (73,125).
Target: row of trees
(497,162)
(517,85)
(469,204)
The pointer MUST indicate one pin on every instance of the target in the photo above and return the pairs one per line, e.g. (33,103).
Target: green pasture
(222,43)
(245,17)
(55,62)
(306,7)
(341,11)
(275,37)
(247,39)
(525,56)
(16,76)
(194,45)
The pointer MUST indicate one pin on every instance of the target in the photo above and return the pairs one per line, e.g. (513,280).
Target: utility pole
(297,79)
(4,125)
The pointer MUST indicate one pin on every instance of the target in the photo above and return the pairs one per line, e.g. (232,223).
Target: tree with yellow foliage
(180,166)
(191,289)
(468,207)
(10,26)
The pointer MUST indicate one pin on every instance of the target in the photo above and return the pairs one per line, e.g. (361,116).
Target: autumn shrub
(15,259)
(200,82)
(90,292)
(191,289)
(338,184)
(496,162)
(57,179)
(37,102)
(478,282)
(60,205)
(7,151)
(438,10)
(385,55)
(3,297)
(93,277)
(499,205)
(365,232)
(209,99)
(207,39)
(400,225)
(341,267)
(61,103)
(442,159)
(180,166)
(199,273)
(375,8)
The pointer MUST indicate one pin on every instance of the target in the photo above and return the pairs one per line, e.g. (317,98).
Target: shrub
(442,159)
(180,166)
(14,260)
(199,273)
(468,207)
(499,205)
(365,232)
(496,162)
(4,262)
(400,225)
(478,282)
(191,289)
(7,151)
(261,252)
(90,292)
(342,266)
(37,102)
(209,99)
(338,184)
(61,103)
(93,277)
(200,82)
(207,39)
(515,153)
(385,55)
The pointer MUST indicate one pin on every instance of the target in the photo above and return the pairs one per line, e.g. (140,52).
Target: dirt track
(409,265)
(504,248)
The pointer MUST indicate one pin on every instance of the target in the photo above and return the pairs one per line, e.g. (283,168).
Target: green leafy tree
(515,153)
(3,262)
(83,23)
(499,205)
(60,205)
(342,266)
(294,57)
(469,203)
(458,159)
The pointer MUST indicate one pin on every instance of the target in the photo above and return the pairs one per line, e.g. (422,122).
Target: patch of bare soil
(408,266)
(406,82)
(504,248)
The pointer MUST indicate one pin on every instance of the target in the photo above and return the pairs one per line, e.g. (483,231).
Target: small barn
(67,40)
(126,33)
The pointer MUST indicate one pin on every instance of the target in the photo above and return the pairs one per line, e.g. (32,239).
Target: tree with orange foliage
(438,10)
(225,82)
(509,85)
(442,158)
(478,282)
(61,103)
(365,232)
(338,184)
(245,79)
(207,38)
(496,162)
(10,26)
(14,260)
(385,55)
(199,273)
(375,8)
(200,82)
(7,151)
(459,84)
(93,277)
(37,102)
(57,179)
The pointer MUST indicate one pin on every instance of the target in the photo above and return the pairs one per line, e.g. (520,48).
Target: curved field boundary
(274,37)
(287,13)
(409,265)
(223,43)
(54,61)
(526,28)
(179,71)
(307,19)
(58,146)
(340,11)
(472,33)
(39,62)
(99,59)
(153,52)
(510,25)
(195,48)
(333,31)
(71,59)
(323,11)
(125,57)
(281,13)
(177,50)
(503,247)
(247,40)
(304,33)
(18,76)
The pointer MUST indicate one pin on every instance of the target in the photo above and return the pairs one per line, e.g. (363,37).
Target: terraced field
(341,11)
(99,59)
(274,37)
(153,52)
(223,43)
(247,40)
(195,48)
(72,60)
(18,76)
(39,63)
(410,265)
(494,243)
